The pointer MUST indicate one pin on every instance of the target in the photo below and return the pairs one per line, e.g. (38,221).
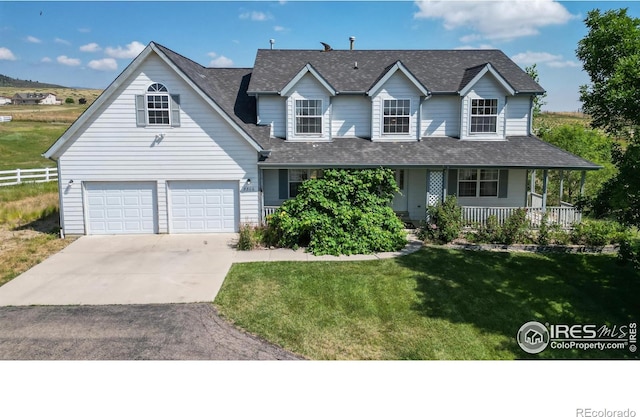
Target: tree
(610,53)
(538,101)
(344,212)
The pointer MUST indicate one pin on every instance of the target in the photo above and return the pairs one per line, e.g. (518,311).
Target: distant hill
(14,82)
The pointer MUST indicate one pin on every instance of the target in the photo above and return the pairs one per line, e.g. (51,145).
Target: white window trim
(382,117)
(295,118)
(477,181)
(471,116)
(157,93)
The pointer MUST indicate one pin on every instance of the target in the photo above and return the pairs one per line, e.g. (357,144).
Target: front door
(399,203)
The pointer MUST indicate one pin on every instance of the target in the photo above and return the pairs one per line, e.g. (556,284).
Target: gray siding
(111,148)
(309,88)
(441,116)
(351,116)
(518,114)
(271,111)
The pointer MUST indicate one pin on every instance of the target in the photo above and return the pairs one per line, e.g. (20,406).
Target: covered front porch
(481,192)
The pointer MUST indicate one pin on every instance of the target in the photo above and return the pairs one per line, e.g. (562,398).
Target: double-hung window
(396,116)
(309,117)
(298,176)
(157,107)
(484,115)
(157,104)
(478,182)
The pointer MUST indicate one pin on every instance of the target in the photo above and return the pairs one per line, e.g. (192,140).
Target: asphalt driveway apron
(132,269)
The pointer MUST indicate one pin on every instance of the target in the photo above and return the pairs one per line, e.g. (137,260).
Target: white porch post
(545,184)
(561,185)
(582,179)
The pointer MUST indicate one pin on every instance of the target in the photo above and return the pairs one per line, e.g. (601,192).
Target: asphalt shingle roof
(228,87)
(440,71)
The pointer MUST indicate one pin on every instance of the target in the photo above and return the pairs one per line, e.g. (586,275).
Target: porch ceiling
(526,152)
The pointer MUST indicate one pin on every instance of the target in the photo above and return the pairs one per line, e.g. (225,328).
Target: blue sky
(87,43)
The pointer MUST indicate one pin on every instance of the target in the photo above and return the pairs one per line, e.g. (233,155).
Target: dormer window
(309,117)
(396,116)
(157,107)
(484,115)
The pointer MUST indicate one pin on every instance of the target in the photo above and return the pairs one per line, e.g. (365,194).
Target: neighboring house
(5,100)
(174,147)
(35,98)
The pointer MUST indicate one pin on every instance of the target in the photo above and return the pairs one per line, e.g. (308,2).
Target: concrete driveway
(133,269)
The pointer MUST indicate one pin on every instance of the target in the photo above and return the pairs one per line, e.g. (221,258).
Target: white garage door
(121,208)
(203,206)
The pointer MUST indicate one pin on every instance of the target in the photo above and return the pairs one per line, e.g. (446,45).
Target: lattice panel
(436,184)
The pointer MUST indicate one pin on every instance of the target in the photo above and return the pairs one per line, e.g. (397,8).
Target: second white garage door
(203,206)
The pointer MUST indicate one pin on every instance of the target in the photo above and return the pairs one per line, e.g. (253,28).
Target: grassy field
(434,304)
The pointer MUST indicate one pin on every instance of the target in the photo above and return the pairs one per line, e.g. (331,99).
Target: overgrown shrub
(250,236)
(544,232)
(598,233)
(344,212)
(444,222)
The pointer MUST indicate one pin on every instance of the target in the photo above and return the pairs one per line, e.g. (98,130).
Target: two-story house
(174,147)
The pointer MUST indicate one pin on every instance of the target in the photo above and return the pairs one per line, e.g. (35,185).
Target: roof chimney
(271,42)
(352,40)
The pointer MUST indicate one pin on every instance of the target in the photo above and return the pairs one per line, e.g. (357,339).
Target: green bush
(444,222)
(630,252)
(598,233)
(344,212)
(515,228)
(69,100)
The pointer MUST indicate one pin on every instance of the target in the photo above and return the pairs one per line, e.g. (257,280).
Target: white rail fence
(5,118)
(19,176)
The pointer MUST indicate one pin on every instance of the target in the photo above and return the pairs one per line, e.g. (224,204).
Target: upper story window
(157,107)
(309,117)
(396,116)
(484,115)
(478,182)
(158,104)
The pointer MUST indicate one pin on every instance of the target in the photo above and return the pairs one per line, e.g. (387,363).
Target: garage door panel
(121,207)
(203,206)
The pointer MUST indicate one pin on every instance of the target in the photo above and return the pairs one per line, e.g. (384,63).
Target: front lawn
(433,304)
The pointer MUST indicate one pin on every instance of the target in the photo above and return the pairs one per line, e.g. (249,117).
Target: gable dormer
(396,98)
(308,106)
(485,94)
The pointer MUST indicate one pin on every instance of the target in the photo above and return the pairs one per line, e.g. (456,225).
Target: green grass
(25,190)
(22,143)
(434,304)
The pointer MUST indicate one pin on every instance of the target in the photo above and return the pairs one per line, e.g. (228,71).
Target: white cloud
(65,60)
(90,47)
(131,51)
(255,16)
(61,41)
(500,20)
(280,29)
(481,46)
(546,58)
(84,30)
(6,54)
(46,60)
(219,61)
(105,64)
(33,39)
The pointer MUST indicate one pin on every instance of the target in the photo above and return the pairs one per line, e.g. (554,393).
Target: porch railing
(566,217)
